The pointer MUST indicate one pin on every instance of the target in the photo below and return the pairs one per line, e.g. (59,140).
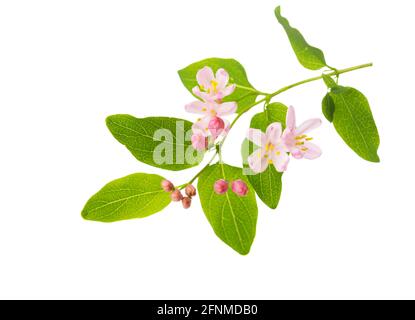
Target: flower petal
(202,95)
(313,151)
(257,137)
(202,126)
(288,139)
(222,78)
(226,108)
(228,90)
(226,128)
(290,120)
(204,77)
(274,132)
(308,126)
(280,159)
(257,162)
(198,107)
(297,153)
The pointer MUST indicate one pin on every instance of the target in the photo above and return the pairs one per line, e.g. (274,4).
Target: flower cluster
(211,90)
(275,145)
(176,195)
(239,187)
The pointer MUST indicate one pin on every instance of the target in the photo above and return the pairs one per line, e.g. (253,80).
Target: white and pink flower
(211,90)
(271,149)
(295,139)
(213,87)
(275,145)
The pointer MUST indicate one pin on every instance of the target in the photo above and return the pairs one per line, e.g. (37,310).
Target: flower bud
(220,186)
(216,126)
(190,190)
(199,142)
(167,186)
(176,195)
(186,202)
(240,188)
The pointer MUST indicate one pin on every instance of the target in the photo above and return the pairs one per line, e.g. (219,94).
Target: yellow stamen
(299,143)
(304,149)
(278,153)
(300,137)
(269,147)
(204,109)
(214,84)
(309,139)
(269,161)
(213,112)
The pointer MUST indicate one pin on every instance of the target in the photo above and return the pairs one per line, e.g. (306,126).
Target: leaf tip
(278,11)
(376,158)
(84,214)
(109,120)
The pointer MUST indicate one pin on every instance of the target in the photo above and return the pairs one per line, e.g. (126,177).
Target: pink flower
(186,202)
(220,186)
(211,126)
(199,139)
(216,126)
(211,109)
(240,188)
(271,149)
(167,185)
(190,190)
(176,195)
(295,139)
(213,88)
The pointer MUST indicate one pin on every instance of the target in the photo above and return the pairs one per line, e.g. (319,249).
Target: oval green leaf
(268,184)
(354,122)
(135,196)
(232,218)
(244,94)
(157,141)
(310,57)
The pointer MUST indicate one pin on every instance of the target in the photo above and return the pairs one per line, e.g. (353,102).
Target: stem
(219,152)
(268,97)
(334,73)
(251,89)
(199,173)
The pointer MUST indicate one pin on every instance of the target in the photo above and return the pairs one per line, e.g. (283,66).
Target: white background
(345,228)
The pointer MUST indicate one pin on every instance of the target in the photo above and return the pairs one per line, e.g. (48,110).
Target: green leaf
(268,184)
(232,218)
(309,56)
(330,83)
(245,94)
(135,196)
(157,141)
(354,122)
(327,106)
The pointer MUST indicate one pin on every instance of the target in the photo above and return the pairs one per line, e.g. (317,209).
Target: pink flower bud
(190,191)
(199,142)
(176,196)
(167,186)
(240,188)
(220,186)
(186,202)
(216,126)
